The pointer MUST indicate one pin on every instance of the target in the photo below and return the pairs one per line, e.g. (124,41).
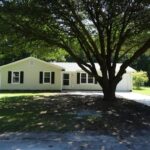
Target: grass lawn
(71,113)
(143,90)
(17,94)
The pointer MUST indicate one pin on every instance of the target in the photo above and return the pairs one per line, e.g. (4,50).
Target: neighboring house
(34,74)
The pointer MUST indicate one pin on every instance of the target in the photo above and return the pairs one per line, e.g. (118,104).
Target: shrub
(139,78)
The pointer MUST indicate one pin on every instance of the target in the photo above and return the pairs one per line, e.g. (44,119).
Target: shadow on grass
(60,113)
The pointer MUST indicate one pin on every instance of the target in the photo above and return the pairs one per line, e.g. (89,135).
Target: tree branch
(138,53)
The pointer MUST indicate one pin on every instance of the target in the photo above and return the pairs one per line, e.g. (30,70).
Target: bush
(139,78)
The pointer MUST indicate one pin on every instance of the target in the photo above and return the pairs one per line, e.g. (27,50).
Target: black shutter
(41,77)
(95,81)
(53,78)
(21,77)
(9,76)
(78,78)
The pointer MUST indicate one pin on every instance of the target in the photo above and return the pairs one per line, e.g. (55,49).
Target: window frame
(12,77)
(87,77)
(44,77)
(66,79)
(81,78)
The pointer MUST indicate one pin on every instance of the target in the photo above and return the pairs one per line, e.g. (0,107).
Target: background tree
(14,47)
(103,31)
(143,63)
(139,78)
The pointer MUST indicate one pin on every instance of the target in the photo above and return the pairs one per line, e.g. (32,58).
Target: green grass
(18,94)
(143,90)
(30,113)
(58,113)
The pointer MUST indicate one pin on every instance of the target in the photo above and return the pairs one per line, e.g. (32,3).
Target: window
(66,79)
(47,77)
(16,77)
(90,79)
(83,77)
(86,78)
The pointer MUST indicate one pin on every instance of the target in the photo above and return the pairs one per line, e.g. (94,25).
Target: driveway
(73,141)
(144,99)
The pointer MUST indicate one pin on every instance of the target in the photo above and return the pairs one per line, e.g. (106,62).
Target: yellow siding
(74,86)
(124,85)
(31,68)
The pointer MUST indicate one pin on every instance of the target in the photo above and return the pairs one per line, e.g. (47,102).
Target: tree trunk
(109,92)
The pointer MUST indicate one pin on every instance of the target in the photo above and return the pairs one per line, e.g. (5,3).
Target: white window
(83,77)
(15,77)
(90,79)
(86,78)
(65,79)
(47,77)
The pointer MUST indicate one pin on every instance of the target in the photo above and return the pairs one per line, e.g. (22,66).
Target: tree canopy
(14,46)
(102,31)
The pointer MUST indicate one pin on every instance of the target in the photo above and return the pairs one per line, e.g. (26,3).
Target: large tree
(101,31)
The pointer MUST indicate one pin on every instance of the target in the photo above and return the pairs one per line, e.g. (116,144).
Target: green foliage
(14,46)
(107,32)
(139,78)
(57,54)
(143,63)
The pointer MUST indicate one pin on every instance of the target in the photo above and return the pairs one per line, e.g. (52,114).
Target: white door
(66,81)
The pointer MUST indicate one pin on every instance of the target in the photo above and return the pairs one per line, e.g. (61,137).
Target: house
(34,74)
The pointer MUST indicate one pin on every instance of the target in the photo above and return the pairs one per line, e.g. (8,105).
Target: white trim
(12,81)
(44,77)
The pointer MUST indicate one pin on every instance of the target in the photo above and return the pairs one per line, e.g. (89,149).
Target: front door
(66,80)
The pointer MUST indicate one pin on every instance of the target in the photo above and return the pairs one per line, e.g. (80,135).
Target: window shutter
(9,76)
(21,77)
(78,78)
(41,77)
(95,81)
(53,78)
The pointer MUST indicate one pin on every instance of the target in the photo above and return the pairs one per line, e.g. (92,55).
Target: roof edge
(25,59)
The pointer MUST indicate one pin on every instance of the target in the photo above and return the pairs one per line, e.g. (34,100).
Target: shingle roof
(73,67)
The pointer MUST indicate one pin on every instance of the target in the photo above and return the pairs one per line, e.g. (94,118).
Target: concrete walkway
(144,99)
(73,141)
